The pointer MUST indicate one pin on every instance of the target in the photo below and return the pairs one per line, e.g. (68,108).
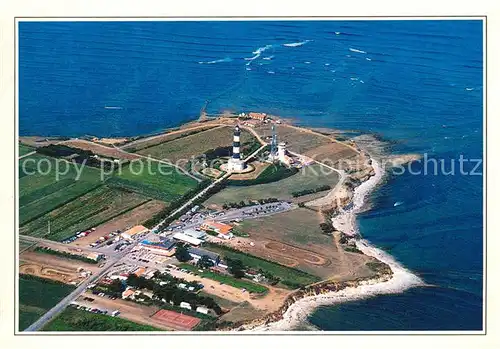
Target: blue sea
(418,84)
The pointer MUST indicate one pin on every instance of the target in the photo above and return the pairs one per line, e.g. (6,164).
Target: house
(185,305)
(197,253)
(188,239)
(258,116)
(128,293)
(202,310)
(224,231)
(134,231)
(139,271)
(195,234)
(95,256)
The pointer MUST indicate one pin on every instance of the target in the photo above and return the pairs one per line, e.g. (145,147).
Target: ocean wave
(109,107)
(257,53)
(222,60)
(356,50)
(402,279)
(270,72)
(296,44)
(268,58)
(368,59)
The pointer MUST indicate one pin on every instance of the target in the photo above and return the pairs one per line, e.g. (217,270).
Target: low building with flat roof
(134,231)
(197,253)
(195,233)
(187,239)
(219,228)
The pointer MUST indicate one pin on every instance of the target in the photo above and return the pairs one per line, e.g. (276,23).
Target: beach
(401,279)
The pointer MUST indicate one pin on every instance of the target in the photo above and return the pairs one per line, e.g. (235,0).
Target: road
(55,243)
(44,319)
(26,155)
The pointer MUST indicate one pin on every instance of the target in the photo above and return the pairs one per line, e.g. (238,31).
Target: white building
(185,305)
(188,239)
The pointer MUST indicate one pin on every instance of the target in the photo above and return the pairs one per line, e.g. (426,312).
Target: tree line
(296,194)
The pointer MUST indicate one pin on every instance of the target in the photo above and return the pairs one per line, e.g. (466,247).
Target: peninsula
(234,222)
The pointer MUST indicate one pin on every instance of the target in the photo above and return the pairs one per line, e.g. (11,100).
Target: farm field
(25,149)
(331,153)
(298,141)
(87,211)
(157,180)
(102,150)
(229,280)
(41,191)
(307,178)
(148,142)
(181,150)
(37,296)
(72,319)
(289,277)
(124,221)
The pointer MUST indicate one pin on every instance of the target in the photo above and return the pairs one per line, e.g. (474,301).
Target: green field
(290,278)
(37,296)
(72,319)
(228,280)
(25,149)
(156,180)
(42,191)
(181,150)
(87,211)
(307,178)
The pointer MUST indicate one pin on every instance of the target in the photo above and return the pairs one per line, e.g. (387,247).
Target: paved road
(40,323)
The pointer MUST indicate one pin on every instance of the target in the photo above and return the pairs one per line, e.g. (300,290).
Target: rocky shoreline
(348,200)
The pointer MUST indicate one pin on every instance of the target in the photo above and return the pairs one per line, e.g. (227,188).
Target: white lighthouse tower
(235,163)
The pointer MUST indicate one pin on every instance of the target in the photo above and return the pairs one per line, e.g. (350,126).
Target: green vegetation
(65,254)
(296,194)
(271,174)
(41,190)
(290,277)
(157,180)
(37,296)
(307,177)
(25,149)
(228,280)
(72,319)
(242,203)
(353,249)
(87,211)
(182,253)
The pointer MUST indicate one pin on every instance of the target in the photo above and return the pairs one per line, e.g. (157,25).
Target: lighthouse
(235,163)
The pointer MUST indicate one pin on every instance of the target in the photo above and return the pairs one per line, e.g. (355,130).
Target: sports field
(42,190)
(37,296)
(309,177)
(154,179)
(72,319)
(87,211)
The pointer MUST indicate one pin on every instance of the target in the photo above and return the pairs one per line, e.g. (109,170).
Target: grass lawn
(310,177)
(290,278)
(72,319)
(37,296)
(228,280)
(41,191)
(87,211)
(156,180)
(25,149)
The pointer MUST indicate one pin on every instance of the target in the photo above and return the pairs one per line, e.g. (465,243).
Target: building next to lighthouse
(235,163)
